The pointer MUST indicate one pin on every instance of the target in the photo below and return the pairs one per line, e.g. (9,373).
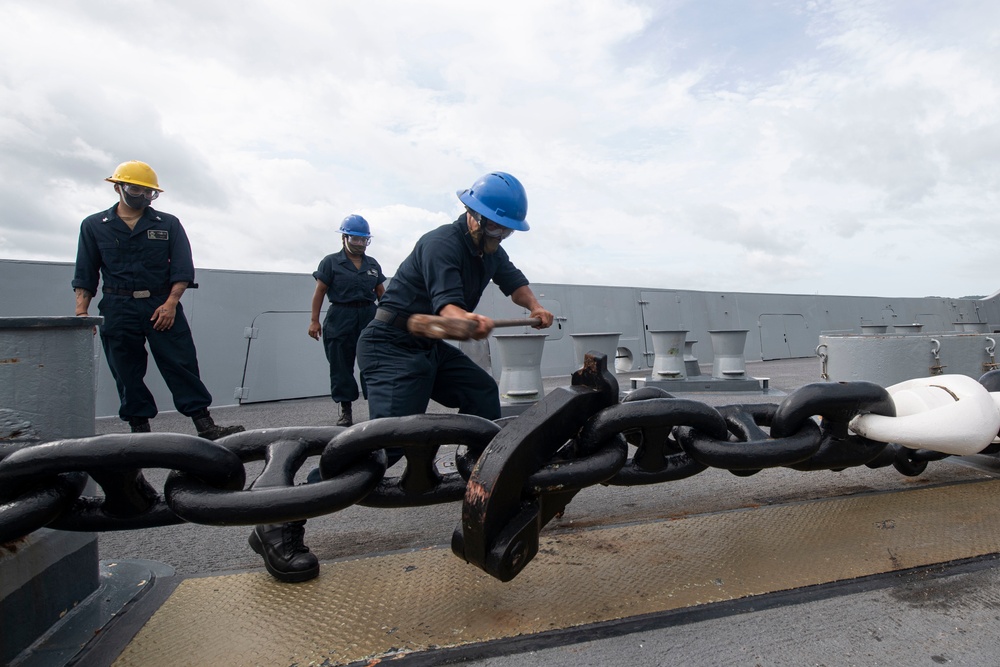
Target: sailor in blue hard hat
(351,281)
(446,274)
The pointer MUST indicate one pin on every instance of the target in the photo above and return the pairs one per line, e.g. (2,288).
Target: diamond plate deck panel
(381,606)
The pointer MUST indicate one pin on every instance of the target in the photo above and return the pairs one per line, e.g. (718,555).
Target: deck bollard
(520,368)
(47,376)
(675,368)
(729,361)
(603,343)
(668,350)
(691,365)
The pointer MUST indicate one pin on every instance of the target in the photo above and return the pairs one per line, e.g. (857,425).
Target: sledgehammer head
(433,326)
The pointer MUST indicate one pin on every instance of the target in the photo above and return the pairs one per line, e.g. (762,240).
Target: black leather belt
(355,304)
(391,318)
(137,294)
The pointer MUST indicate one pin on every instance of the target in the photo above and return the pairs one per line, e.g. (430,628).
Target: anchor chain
(512,476)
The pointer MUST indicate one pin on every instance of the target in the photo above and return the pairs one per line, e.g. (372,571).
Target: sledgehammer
(456,328)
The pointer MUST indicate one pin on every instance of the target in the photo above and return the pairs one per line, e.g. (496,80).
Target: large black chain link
(513,475)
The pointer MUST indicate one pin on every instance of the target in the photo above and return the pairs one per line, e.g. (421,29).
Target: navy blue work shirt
(152,256)
(346,283)
(445,268)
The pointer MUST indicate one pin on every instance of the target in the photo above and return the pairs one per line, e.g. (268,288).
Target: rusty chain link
(513,475)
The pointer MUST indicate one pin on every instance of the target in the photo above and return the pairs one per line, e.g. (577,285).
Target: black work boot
(208,429)
(285,555)
(346,418)
(139,424)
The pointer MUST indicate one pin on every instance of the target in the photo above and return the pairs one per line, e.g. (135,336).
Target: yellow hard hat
(136,173)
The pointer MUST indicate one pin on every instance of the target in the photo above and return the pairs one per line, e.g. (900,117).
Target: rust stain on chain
(13,546)
(476,493)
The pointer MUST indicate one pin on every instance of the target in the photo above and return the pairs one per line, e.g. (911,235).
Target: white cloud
(828,147)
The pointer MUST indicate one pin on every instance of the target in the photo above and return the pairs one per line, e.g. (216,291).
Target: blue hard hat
(499,197)
(355,225)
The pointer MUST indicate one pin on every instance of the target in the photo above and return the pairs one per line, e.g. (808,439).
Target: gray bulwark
(250,326)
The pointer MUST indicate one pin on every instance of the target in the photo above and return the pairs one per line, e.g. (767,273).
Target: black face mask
(485,241)
(352,248)
(137,202)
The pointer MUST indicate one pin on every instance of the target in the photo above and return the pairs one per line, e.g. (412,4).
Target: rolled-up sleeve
(324,272)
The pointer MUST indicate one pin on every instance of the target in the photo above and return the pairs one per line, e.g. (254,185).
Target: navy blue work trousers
(404,373)
(126,330)
(341,329)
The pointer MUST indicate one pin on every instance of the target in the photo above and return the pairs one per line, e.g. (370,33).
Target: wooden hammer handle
(455,328)
(526,322)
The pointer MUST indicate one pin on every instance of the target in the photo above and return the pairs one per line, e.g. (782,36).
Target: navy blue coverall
(351,292)
(151,257)
(403,372)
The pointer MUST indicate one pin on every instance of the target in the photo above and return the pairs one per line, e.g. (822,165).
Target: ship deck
(859,567)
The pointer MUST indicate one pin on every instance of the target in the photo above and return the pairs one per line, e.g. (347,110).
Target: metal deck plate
(416,601)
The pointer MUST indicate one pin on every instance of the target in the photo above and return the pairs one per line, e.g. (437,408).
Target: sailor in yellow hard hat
(143,258)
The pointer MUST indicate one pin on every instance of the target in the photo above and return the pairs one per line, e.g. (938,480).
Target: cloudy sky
(783,146)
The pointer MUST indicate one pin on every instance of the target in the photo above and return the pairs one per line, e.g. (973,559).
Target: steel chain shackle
(500,519)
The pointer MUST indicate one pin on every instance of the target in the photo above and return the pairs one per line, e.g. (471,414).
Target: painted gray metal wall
(250,327)
(222,312)
(46,393)
(890,359)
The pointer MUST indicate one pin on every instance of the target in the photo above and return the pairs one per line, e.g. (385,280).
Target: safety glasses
(359,240)
(493,229)
(139,191)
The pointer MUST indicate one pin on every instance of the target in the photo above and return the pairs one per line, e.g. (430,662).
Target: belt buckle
(141,294)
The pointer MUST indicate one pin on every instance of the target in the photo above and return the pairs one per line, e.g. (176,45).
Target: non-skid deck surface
(381,606)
